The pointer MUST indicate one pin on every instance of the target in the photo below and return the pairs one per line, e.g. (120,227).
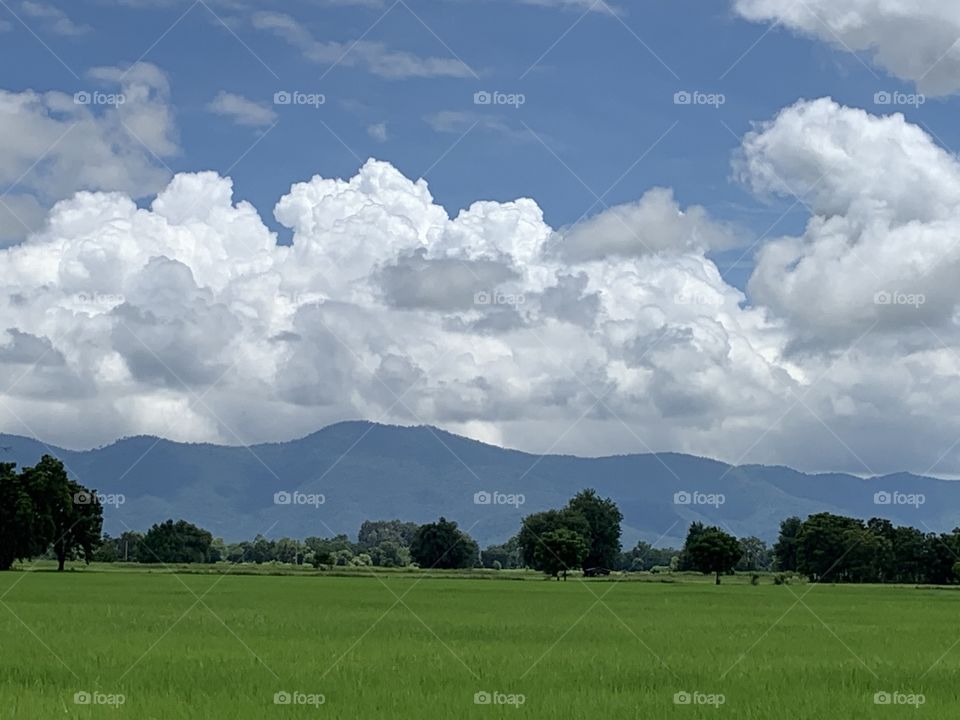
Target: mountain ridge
(371,471)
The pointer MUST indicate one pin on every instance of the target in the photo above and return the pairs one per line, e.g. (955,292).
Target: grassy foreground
(402,647)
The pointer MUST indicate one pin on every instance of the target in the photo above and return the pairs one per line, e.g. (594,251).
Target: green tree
(507,555)
(824,545)
(561,550)
(77,517)
(389,553)
(443,545)
(755,555)
(693,532)
(785,549)
(26,526)
(374,532)
(537,525)
(288,550)
(327,551)
(713,551)
(176,542)
(42,507)
(603,519)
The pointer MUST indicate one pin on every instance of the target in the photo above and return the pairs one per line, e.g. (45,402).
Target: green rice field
(166,645)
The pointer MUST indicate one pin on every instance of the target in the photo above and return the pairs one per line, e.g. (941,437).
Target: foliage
(443,545)
(41,508)
(713,551)
(176,542)
(603,520)
(561,550)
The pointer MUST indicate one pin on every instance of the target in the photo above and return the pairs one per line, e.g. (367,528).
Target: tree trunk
(718,578)
(60,561)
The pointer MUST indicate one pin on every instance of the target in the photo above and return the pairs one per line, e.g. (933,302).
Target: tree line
(44,513)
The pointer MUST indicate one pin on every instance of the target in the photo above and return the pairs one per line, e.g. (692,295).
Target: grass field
(222,646)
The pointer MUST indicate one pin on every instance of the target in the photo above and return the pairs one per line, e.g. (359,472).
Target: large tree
(693,532)
(25,523)
(755,555)
(713,551)
(41,506)
(77,518)
(443,545)
(561,550)
(785,549)
(176,542)
(535,526)
(824,545)
(603,520)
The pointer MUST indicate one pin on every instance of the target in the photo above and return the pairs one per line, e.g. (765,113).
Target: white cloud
(374,57)
(378,131)
(502,326)
(53,19)
(886,217)
(242,111)
(52,144)
(916,41)
(655,223)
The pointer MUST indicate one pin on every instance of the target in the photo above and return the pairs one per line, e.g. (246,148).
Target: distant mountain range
(366,471)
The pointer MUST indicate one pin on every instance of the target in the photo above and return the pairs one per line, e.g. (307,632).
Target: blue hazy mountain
(366,471)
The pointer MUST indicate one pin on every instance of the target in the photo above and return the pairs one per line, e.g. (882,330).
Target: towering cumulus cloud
(187,319)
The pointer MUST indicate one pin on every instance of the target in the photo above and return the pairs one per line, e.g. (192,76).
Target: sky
(579,226)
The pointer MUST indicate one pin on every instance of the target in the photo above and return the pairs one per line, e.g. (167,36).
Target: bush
(754,579)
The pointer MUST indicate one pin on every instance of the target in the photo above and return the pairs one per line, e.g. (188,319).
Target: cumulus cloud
(881,247)
(374,57)
(242,111)
(107,137)
(916,41)
(655,223)
(187,319)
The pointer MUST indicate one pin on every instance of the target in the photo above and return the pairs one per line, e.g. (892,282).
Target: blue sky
(598,94)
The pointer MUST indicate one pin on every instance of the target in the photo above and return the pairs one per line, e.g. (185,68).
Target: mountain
(367,471)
